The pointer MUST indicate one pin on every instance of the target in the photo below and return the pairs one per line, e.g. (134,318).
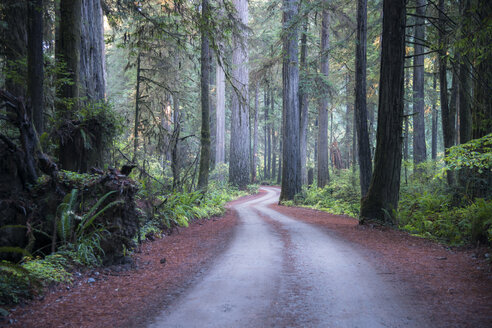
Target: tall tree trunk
(448,128)
(35,62)
(137,111)
(269,136)
(464,78)
(434,119)
(291,167)
(205,86)
(255,138)
(92,58)
(272,132)
(239,162)
(68,52)
(323,170)
(266,104)
(419,149)
(220,116)
(383,193)
(175,158)
(303,103)
(364,150)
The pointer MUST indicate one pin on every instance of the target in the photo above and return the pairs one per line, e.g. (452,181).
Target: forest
(122,120)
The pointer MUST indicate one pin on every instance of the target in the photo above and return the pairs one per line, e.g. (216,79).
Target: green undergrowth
(460,214)
(177,209)
(341,196)
(431,209)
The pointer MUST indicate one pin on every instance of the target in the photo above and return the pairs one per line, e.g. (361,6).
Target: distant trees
(419,147)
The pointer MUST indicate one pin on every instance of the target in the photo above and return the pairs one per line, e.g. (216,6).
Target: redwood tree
(364,151)
(204,83)
(240,148)
(323,171)
(383,194)
(291,167)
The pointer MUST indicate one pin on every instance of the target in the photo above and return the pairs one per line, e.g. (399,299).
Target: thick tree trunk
(291,168)
(364,150)
(205,93)
(448,123)
(255,138)
(220,116)
(383,194)
(323,170)
(35,62)
(239,162)
(419,149)
(303,103)
(92,58)
(482,109)
(68,53)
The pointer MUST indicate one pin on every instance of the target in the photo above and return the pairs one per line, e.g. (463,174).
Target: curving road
(280,272)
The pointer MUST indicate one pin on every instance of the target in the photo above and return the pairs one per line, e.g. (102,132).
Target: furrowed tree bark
(92,52)
(239,150)
(35,62)
(363,148)
(291,167)
(205,86)
(323,169)
(419,148)
(383,194)
(303,103)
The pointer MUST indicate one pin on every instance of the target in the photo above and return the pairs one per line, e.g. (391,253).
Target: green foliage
(14,283)
(340,196)
(78,233)
(430,208)
(475,154)
(49,269)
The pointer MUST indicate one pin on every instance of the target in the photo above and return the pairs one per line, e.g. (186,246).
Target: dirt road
(280,272)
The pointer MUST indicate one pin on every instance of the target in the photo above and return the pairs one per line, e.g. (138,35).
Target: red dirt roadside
(456,283)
